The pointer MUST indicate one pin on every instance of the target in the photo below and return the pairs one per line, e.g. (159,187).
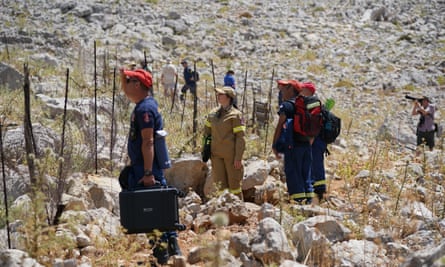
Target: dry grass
(345,166)
(355,192)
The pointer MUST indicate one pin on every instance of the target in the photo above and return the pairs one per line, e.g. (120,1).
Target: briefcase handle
(158,185)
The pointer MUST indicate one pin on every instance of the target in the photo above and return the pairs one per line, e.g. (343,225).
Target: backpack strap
(292,101)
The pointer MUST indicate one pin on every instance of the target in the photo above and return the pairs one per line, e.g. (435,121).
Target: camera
(413,98)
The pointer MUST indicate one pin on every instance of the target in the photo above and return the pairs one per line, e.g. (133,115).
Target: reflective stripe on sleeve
(238,129)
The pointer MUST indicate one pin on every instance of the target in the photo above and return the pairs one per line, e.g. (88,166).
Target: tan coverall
(227,129)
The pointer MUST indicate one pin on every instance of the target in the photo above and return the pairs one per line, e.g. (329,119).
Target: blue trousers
(318,170)
(297,167)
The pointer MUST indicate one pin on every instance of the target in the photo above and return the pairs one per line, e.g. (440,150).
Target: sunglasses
(129,80)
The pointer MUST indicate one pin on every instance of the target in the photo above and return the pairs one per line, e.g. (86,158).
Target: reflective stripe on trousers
(297,167)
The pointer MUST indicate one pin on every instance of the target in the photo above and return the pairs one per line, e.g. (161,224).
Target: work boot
(298,201)
(320,195)
(173,246)
(160,252)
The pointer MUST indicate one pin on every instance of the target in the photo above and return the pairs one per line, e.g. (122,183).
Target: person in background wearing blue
(296,148)
(189,81)
(229,79)
(145,171)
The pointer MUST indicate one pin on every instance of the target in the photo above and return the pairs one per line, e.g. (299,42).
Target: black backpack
(206,148)
(195,75)
(331,127)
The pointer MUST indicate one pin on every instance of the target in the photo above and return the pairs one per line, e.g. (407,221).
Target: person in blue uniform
(145,171)
(295,148)
(318,173)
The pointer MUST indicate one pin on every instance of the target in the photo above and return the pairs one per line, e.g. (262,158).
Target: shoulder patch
(146,117)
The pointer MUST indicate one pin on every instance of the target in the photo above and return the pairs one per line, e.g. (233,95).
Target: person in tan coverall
(226,126)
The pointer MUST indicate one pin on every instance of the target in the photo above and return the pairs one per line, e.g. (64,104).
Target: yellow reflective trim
(239,129)
(321,182)
(313,105)
(220,192)
(311,194)
(235,191)
(299,195)
(208,124)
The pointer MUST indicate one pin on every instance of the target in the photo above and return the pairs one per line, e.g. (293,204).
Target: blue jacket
(229,80)
(188,76)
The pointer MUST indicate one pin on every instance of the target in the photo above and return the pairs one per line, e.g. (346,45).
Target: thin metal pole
(214,81)
(5,195)
(95,109)
(61,182)
(213,74)
(145,67)
(113,121)
(183,108)
(174,93)
(268,109)
(206,99)
(64,119)
(30,144)
(243,103)
(195,105)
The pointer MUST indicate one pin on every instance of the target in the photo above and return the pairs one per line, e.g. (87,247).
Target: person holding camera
(425,127)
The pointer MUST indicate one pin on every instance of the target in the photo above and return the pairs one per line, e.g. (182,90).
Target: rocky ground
(365,54)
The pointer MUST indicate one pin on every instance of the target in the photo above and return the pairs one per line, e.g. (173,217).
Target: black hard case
(149,209)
